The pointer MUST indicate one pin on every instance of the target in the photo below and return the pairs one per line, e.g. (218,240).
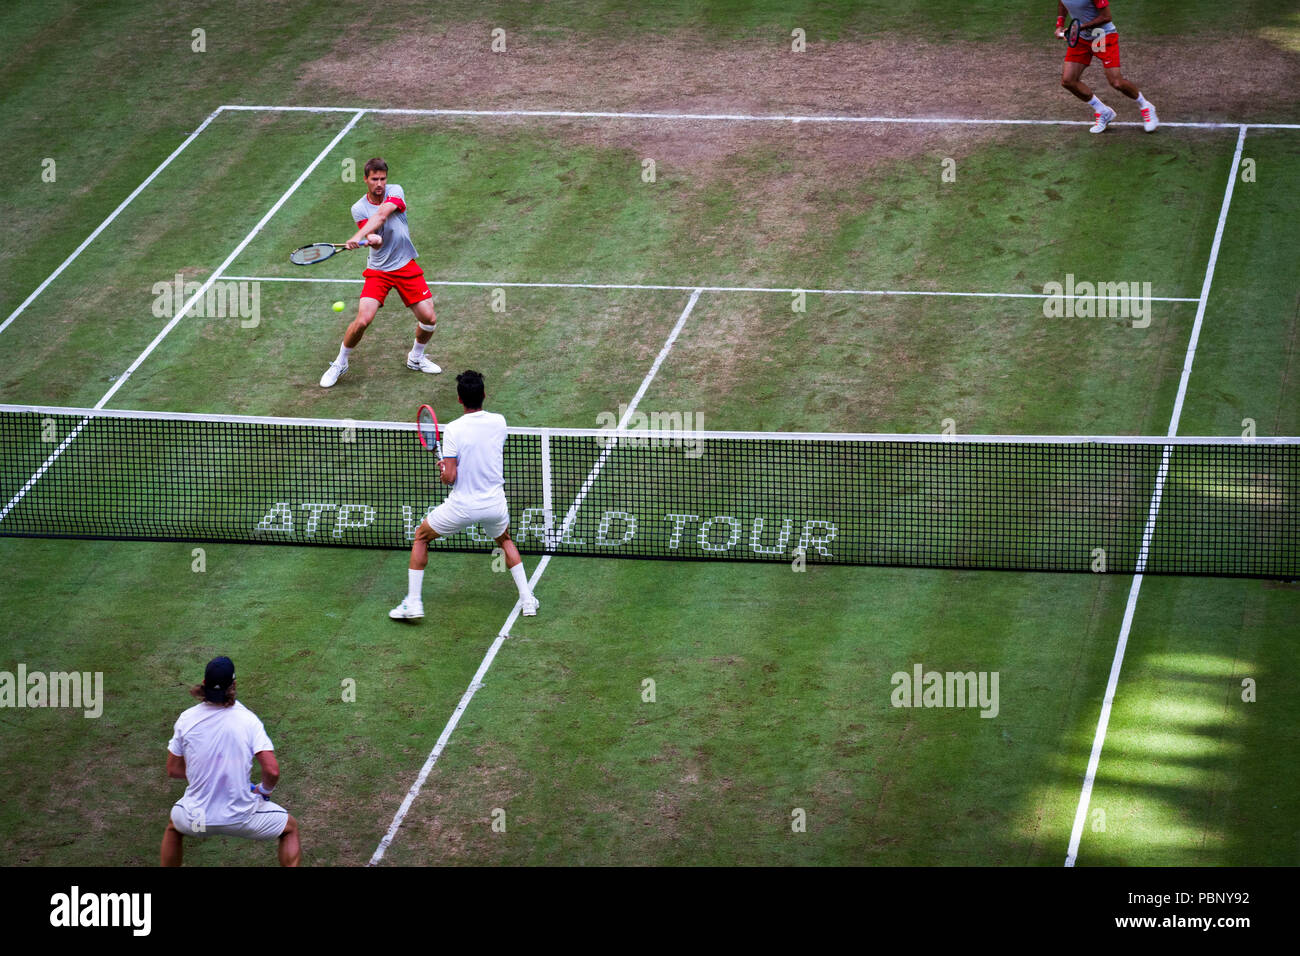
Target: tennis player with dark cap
(213,748)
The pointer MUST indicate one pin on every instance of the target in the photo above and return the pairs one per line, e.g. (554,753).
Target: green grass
(293,624)
(1248,358)
(772,692)
(1192,772)
(896,226)
(99,315)
(901,364)
(772,686)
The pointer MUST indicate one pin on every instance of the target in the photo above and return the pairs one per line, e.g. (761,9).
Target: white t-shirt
(218,744)
(477,441)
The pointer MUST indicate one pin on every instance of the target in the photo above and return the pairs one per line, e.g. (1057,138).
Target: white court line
(477,681)
(605,114)
(741,117)
(1094,759)
(180,314)
(545,432)
(548,432)
(610,445)
(716,288)
(111,216)
(443,738)
(659,359)
(1205,288)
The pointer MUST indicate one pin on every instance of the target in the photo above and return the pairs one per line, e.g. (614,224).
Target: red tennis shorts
(1107,51)
(408,281)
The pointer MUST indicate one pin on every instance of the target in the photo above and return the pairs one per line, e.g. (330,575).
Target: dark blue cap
(217,679)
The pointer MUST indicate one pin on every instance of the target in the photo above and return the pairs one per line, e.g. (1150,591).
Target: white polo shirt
(218,744)
(477,441)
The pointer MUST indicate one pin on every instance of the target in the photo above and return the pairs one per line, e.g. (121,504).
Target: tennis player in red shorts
(1097,37)
(380,216)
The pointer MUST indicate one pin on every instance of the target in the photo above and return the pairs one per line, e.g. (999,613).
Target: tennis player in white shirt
(212,749)
(472,448)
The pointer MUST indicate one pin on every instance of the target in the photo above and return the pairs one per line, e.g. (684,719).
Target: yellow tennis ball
(338,306)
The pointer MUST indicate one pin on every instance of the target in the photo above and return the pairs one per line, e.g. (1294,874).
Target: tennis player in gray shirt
(380,216)
(1097,37)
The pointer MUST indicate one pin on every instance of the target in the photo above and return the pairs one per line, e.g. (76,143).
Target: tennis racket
(429,433)
(1072,31)
(318,252)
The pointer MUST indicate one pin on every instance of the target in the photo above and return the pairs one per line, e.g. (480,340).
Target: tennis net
(1042,503)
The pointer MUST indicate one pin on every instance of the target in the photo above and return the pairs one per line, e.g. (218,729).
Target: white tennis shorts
(267,822)
(450,517)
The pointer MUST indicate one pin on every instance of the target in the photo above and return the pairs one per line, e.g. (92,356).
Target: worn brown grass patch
(1191,79)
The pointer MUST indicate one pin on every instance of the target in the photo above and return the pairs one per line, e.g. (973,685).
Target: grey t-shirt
(1086,11)
(397,249)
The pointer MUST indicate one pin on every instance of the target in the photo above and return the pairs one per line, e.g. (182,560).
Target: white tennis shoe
(407,610)
(530,607)
(332,374)
(1149,119)
(1103,119)
(422,364)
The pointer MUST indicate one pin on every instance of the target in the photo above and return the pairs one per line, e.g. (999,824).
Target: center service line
(1103,720)
(504,633)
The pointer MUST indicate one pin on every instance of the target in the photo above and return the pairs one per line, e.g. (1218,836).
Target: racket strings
(428,428)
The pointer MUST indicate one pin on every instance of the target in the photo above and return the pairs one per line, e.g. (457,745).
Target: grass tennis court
(566,274)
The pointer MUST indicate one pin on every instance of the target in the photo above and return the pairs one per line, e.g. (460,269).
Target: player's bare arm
(448,466)
(270,768)
(175,766)
(373,225)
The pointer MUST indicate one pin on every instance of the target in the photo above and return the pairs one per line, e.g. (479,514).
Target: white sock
(1096,104)
(418,349)
(1142,102)
(414,585)
(521,581)
(344,352)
